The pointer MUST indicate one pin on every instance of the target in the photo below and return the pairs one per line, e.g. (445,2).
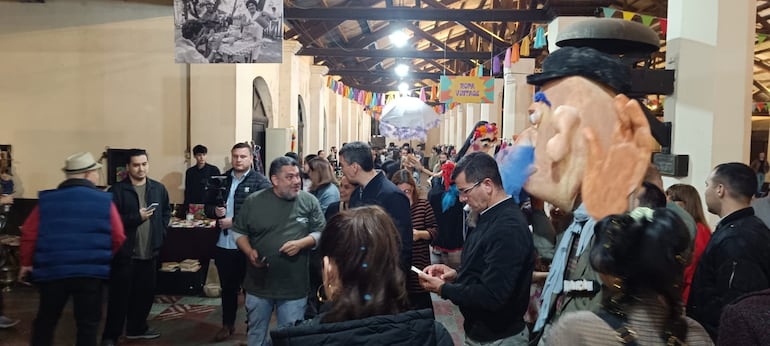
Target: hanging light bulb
(403,88)
(399,38)
(402,70)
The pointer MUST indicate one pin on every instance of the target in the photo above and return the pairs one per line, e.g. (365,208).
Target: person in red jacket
(687,197)
(67,243)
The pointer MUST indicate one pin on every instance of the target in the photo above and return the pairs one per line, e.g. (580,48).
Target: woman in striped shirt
(424,229)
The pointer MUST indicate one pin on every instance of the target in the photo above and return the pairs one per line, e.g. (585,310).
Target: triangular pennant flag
(507,62)
(515,53)
(608,12)
(480,71)
(663,25)
(434,93)
(495,65)
(540,38)
(761,106)
(524,51)
(761,38)
(423,98)
(646,20)
(628,15)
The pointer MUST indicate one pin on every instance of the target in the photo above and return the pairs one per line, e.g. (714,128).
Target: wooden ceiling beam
(392,53)
(409,13)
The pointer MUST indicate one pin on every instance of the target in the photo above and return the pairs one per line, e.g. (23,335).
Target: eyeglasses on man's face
(466,190)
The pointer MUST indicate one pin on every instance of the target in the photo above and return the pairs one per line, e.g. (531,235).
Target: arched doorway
(262,111)
(301,128)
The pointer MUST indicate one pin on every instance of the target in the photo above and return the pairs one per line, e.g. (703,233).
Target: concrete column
(472,116)
(333,121)
(460,131)
(288,94)
(517,96)
(710,43)
(444,128)
(452,127)
(314,125)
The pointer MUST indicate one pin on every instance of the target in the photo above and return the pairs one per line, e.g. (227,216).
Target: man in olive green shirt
(274,229)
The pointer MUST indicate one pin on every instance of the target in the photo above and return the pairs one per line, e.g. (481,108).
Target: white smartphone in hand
(418,271)
(151,206)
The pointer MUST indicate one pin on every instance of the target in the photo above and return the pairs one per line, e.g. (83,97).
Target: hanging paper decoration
(761,38)
(628,15)
(663,25)
(646,20)
(495,65)
(608,12)
(434,93)
(524,51)
(423,98)
(761,106)
(507,61)
(480,71)
(540,38)
(515,53)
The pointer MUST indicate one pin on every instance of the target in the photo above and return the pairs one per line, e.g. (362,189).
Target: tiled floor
(182,320)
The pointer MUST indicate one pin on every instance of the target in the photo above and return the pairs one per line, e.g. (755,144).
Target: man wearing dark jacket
(492,287)
(240,182)
(375,189)
(67,243)
(736,260)
(195,178)
(145,211)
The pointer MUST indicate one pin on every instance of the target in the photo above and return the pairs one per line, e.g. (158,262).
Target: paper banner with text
(466,89)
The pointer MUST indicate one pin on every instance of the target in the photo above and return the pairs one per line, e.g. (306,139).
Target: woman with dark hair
(365,288)
(640,257)
(323,185)
(346,188)
(424,230)
(688,198)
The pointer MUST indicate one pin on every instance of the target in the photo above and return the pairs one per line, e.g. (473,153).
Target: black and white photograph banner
(228,31)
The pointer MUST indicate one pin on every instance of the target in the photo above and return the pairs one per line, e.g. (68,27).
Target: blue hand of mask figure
(516,164)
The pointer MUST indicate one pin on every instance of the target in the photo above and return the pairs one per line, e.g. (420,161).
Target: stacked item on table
(190,265)
(169,266)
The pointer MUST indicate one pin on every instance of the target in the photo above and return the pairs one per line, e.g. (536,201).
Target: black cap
(585,62)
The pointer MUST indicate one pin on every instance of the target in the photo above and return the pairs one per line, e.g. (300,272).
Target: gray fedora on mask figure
(585,62)
(80,162)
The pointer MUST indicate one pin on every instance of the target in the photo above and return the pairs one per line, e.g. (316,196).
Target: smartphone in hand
(151,207)
(418,271)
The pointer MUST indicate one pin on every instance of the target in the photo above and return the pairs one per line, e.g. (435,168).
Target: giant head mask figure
(592,142)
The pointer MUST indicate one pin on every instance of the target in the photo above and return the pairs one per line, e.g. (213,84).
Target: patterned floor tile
(186,311)
(200,301)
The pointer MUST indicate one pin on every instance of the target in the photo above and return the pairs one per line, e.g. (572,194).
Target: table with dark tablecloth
(183,243)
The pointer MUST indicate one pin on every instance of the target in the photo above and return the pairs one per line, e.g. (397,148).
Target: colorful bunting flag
(524,50)
(663,25)
(628,15)
(495,65)
(608,12)
(540,38)
(515,53)
(646,19)
(480,71)
(761,38)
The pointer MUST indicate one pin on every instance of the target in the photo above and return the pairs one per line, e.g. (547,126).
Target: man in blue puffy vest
(67,243)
